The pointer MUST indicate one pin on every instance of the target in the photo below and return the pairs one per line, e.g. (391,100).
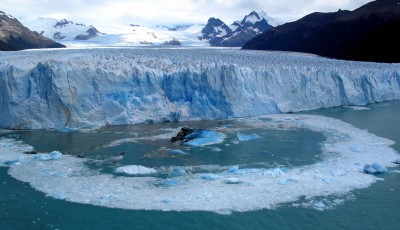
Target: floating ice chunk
(395,171)
(177,172)
(177,152)
(135,170)
(357,108)
(201,137)
(232,181)
(224,212)
(228,126)
(357,149)
(169,182)
(13,162)
(319,206)
(374,168)
(166,200)
(234,169)
(244,137)
(274,172)
(67,130)
(55,155)
(215,149)
(107,198)
(287,181)
(210,176)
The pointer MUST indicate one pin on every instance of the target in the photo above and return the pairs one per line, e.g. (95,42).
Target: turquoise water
(377,207)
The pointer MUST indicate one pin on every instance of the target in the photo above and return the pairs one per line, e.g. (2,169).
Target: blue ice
(67,130)
(55,155)
(169,182)
(374,168)
(177,172)
(210,176)
(14,162)
(249,137)
(201,137)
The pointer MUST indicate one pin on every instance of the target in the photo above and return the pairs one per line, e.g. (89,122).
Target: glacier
(83,88)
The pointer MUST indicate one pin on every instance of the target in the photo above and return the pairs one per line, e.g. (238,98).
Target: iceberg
(55,155)
(83,88)
(211,176)
(177,152)
(374,168)
(204,137)
(249,137)
(135,170)
(177,172)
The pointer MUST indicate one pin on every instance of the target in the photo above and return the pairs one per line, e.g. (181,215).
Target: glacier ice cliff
(95,87)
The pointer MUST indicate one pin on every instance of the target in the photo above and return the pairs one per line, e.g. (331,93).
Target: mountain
(237,34)
(215,31)
(62,30)
(369,33)
(14,36)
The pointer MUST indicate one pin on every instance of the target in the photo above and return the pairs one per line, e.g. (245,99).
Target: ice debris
(177,152)
(68,130)
(201,137)
(357,149)
(232,180)
(169,182)
(234,169)
(177,172)
(55,155)
(12,162)
(135,170)
(374,168)
(249,137)
(287,181)
(210,176)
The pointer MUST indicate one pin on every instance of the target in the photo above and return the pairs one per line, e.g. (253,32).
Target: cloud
(107,14)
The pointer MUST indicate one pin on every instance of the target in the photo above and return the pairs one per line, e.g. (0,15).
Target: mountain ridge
(14,36)
(239,32)
(367,33)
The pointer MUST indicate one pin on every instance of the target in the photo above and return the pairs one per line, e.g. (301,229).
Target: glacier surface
(81,88)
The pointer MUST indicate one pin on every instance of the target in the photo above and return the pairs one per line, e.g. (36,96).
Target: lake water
(281,144)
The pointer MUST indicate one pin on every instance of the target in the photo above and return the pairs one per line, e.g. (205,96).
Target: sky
(107,15)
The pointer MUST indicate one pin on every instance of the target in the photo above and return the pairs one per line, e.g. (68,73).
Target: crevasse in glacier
(97,87)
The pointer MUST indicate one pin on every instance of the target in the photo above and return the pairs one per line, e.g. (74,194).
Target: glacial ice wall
(114,86)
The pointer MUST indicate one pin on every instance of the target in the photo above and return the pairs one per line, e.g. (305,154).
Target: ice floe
(204,137)
(135,170)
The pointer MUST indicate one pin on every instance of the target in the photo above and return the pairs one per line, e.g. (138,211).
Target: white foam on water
(224,191)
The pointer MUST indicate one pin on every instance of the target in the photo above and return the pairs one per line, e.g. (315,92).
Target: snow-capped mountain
(159,35)
(239,32)
(15,36)
(62,30)
(214,33)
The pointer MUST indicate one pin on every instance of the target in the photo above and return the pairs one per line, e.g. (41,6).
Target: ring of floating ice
(340,172)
